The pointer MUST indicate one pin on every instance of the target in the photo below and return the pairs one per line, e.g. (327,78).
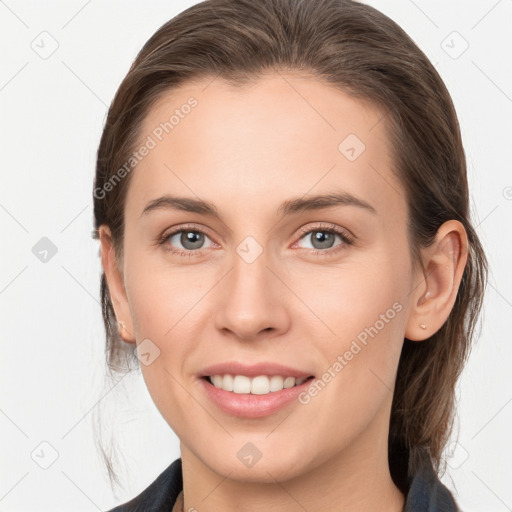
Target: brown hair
(364,53)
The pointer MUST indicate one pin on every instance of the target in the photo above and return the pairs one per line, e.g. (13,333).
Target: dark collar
(426,493)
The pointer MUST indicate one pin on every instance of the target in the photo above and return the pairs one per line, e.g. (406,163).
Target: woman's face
(267,280)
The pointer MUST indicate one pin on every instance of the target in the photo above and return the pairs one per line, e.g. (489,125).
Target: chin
(251,465)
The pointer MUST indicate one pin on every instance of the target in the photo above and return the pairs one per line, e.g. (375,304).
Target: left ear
(444,263)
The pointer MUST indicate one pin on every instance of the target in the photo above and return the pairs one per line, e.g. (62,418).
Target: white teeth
(276,383)
(260,385)
(227,382)
(241,384)
(289,382)
(217,380)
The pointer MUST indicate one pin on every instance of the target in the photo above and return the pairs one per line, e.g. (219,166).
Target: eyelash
(346,238)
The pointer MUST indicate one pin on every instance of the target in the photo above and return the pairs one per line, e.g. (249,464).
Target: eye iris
(324,237)
(193,237)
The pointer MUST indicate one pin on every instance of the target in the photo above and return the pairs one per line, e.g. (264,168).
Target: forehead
(274,138)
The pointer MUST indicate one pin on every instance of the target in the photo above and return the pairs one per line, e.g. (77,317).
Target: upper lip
(253,370)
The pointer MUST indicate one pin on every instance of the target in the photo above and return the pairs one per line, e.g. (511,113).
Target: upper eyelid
(326,227)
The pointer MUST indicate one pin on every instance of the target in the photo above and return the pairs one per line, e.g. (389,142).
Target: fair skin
(247,150)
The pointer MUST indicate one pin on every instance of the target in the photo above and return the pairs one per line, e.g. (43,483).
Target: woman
(282,205)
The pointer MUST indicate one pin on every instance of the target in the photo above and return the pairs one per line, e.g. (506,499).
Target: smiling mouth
(259,385)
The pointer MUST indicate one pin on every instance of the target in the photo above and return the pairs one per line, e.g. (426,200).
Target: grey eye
(190,240)
(321,238)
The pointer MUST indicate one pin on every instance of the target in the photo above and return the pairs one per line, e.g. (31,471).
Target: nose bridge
(250,266)
(251,301)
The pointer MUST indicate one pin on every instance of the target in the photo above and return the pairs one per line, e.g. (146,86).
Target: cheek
(344,300)
(159,312)
(161,296)
(168,308)
(359,320)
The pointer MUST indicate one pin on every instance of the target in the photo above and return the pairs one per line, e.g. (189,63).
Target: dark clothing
(426,493)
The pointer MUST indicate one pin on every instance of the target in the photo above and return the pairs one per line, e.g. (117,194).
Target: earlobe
(116,286)
(444,263)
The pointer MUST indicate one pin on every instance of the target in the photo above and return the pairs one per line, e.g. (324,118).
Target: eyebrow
(289,207)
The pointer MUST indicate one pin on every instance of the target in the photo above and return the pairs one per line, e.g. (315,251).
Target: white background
(52,364)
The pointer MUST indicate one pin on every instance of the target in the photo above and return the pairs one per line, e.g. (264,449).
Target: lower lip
(252,406)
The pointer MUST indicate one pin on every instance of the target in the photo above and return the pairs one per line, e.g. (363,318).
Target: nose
(252,301)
